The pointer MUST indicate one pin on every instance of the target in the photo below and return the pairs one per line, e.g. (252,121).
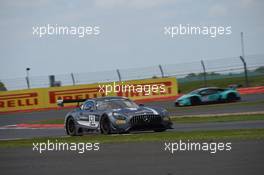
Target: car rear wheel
(70,127)
(231,97)
(176,104)
(195,101)
(105,125)
(160,130)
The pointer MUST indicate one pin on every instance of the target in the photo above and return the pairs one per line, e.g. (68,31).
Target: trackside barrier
(46,98)
(251,90)
(242,91)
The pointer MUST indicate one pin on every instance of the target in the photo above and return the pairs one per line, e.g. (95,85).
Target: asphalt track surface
(9,134)
(245,105)
(245,158)
(17,118)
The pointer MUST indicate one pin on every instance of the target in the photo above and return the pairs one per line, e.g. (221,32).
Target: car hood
(137,111)
(184,97)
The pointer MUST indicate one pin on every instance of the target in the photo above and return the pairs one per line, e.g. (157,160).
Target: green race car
(208,95)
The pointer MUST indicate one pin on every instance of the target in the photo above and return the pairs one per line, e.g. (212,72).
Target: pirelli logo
(82,93)
(46,98)
(19,100)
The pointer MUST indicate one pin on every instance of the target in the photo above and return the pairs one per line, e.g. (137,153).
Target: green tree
(260,69)
(191,75)
(2,87)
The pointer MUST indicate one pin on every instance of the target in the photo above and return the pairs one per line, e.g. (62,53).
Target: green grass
(186,87)
(216,106)
(189,119)
(228,118)
(50,121)
(145,137)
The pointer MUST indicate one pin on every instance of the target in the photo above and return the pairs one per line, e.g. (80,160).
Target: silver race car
(114,115)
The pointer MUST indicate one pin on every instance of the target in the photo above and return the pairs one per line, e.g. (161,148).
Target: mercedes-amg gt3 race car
(208,95)
(114,115)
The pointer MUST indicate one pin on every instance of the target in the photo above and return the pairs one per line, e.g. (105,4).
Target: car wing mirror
(60,103)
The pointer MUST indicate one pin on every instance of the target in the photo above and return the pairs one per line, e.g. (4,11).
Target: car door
(89,115)
(209,95)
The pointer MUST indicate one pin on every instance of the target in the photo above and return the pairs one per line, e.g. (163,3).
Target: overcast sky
(131,33)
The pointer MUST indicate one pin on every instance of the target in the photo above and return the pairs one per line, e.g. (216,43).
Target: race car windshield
(115,104)
(195,91)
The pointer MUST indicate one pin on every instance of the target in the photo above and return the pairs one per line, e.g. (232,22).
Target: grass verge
(189,119)
(216,106)
(145,137)
(50,121)
(228,118)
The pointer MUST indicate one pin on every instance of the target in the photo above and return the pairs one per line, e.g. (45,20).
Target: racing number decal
(92,121)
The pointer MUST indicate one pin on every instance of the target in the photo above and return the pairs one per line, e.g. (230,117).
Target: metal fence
(184,72)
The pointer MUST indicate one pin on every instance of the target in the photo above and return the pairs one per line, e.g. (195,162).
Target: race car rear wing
(61,102)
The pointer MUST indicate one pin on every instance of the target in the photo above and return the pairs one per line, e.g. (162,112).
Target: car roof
(209,88)
(107,98)
(205,88)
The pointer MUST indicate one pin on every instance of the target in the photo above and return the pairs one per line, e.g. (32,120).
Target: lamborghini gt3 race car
(114,115)
(208,95)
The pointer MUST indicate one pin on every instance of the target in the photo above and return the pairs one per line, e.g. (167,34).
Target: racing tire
(176,104)
(160,130)
(231,97)
(195,101)
(105,125)
(71,128)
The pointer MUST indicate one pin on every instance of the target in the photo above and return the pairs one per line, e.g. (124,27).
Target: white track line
(11,139)
(20,128)
(219,115)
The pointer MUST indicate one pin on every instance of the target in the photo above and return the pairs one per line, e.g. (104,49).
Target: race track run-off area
(17,125)
(246,157)
(18,132)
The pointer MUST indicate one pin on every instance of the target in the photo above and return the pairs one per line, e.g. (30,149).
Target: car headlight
(179,101)
(164,112)
(166,118)
(119,116)
(120,122)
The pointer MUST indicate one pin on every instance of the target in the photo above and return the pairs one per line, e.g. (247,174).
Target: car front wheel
(105,125)
(195,101)
(71,127)
(231,97)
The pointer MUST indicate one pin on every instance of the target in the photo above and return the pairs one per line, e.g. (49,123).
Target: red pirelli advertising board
(46,98)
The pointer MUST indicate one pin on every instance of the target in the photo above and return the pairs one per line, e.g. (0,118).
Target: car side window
(88,105)
(102,105)
(204,92)
(208,92)
(213,91)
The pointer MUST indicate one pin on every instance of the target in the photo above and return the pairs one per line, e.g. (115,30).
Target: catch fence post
(204,73)
(73,79)
(161,71)
(118,74)
(245,70)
